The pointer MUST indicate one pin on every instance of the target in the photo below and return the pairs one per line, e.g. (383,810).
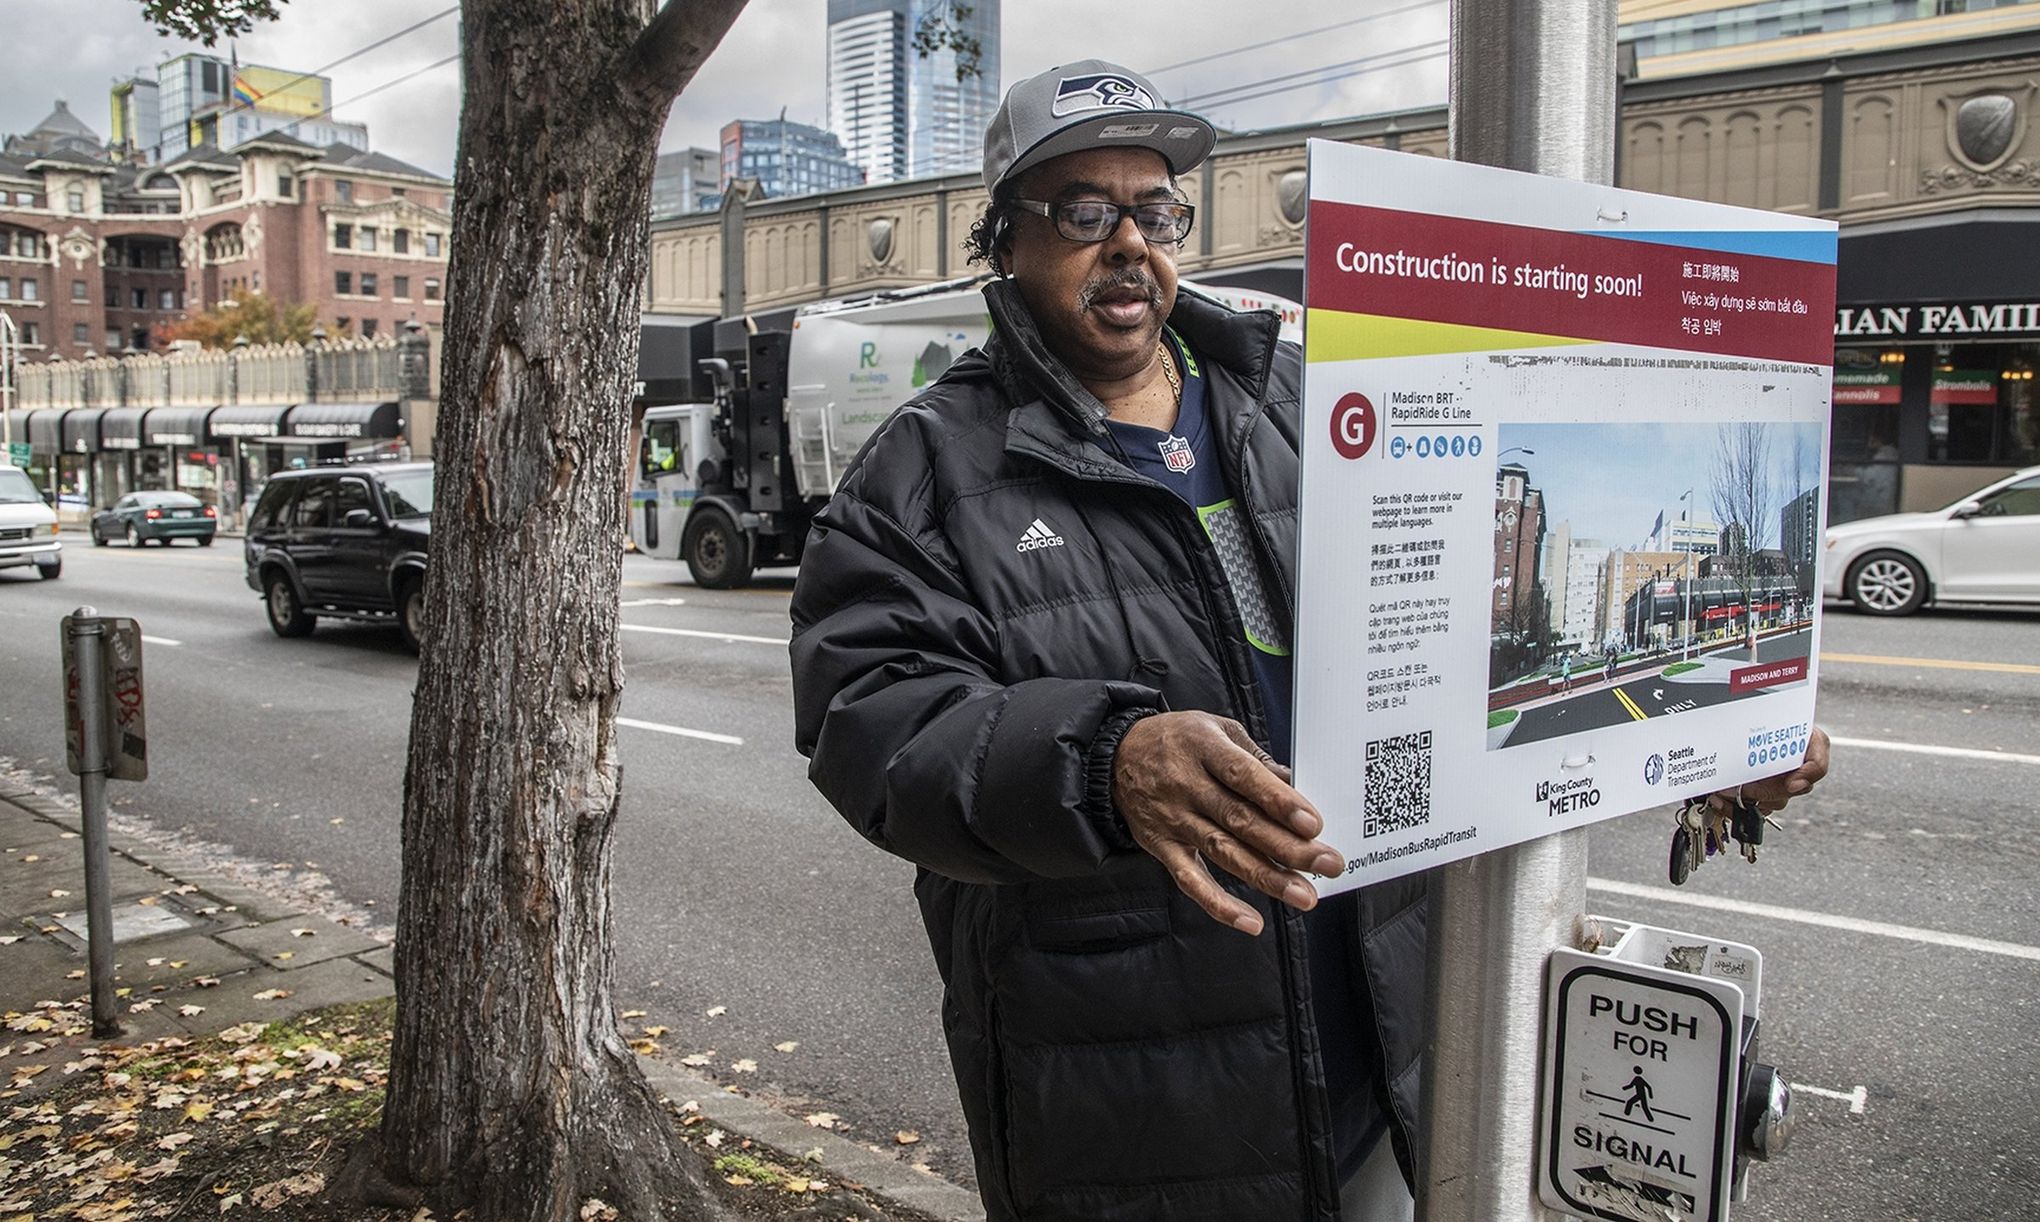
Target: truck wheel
(50,572)
(411,613)
(286,614)
(718,554)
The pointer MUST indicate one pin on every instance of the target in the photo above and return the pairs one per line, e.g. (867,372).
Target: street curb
(882,1176)
(798,1141)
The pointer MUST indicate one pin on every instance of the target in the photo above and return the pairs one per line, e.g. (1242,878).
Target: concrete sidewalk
(187,937)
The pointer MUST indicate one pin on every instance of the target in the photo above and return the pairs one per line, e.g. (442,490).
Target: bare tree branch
(674,46)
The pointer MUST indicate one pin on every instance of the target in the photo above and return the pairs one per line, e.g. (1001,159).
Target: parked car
(345,542)
(28,526)
(1984,548)
(159,517)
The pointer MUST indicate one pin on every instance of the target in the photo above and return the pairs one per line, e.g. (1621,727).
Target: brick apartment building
(98,256)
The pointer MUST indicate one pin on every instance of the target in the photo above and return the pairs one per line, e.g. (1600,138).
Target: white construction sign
(1564,449)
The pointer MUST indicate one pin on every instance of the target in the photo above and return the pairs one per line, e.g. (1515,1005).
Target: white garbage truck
(731,485)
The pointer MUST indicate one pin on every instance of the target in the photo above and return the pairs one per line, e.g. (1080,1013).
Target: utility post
(1532,88)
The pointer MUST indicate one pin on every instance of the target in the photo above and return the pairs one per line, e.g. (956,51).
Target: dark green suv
(345,542)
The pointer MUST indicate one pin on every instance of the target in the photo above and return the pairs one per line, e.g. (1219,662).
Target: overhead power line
(1323,29)
(389,84)
(1219,96)
(351,55)
(1365,65)
(1326,80)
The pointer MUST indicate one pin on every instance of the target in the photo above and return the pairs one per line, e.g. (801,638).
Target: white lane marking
(653,602)
(1826,920)
(712,636)
(1967,753)
(160,640)
(1857,1099)
(680,731)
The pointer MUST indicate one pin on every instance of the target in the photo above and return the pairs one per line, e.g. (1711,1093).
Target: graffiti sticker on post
(1564,449)
(127,735)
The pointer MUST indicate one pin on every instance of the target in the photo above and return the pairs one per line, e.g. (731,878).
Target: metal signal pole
(1532,88)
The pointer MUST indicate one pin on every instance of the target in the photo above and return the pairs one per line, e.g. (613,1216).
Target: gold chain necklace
(1169,372)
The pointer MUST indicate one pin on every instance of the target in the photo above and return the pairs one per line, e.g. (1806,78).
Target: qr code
(1398,784)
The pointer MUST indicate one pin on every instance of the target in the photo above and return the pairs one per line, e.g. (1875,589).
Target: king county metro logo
(1654,769)
(1081,93)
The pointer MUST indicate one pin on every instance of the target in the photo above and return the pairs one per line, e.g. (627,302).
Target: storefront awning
(343,421)
(246,421)
(45,430)
(81,430)
(174,426)
(17,426)
(121,428)
(1985,254)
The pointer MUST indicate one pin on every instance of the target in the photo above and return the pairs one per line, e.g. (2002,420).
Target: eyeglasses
(1094,220)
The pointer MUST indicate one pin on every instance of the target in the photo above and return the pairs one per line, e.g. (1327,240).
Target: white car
(28,527)
(1985,548)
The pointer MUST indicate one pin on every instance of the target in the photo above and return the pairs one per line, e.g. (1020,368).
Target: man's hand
(1193,785)
(1773,792)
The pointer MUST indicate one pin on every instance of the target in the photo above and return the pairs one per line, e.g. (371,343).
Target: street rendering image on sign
(1563,448)
(1611,605)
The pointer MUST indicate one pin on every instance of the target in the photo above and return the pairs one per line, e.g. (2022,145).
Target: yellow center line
(1871,659)
(1629,704)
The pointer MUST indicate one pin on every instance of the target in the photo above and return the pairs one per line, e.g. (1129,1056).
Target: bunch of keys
(1700,833)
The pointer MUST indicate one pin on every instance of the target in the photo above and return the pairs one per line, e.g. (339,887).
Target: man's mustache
(1125,278)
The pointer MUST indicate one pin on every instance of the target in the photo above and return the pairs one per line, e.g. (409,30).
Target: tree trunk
(511,1087)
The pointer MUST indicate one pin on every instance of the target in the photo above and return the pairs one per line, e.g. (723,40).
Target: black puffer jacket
(1120,1055)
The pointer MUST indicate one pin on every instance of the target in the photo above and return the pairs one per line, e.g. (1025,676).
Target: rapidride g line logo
(1354,426)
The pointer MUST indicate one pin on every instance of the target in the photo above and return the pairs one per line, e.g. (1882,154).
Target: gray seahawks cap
(1086,105)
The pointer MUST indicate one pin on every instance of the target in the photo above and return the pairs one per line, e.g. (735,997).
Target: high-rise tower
(901,114)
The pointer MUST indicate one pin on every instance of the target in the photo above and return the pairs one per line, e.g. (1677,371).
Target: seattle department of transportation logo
(1654,769)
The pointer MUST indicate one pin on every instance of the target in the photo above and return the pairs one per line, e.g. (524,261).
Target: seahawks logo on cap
(1080,93)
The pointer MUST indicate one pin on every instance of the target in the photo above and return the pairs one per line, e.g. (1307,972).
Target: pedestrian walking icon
(1639,1095)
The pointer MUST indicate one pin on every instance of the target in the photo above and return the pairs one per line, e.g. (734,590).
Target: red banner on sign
(1769,674)
(1581,286)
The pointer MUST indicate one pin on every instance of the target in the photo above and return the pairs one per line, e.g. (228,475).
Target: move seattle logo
(1771,746)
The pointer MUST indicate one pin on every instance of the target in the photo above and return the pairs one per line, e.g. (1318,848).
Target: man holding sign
(1042,650)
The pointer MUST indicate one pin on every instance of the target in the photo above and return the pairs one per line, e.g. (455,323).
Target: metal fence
(321,371)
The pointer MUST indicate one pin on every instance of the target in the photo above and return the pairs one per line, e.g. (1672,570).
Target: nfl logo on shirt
(1177,453)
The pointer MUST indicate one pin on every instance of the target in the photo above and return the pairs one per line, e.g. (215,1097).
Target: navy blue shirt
(1185,460)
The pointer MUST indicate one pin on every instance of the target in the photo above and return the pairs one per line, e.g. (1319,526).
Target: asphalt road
(1895,907)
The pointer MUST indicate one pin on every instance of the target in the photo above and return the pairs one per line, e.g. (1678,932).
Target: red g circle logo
(1353,426)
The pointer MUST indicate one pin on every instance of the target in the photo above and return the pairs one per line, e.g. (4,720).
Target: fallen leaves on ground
(243,1124)
(256,1121)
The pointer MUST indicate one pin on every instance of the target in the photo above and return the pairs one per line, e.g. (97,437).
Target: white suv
(28,527)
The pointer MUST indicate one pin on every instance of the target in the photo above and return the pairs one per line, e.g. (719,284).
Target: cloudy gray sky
(773,58)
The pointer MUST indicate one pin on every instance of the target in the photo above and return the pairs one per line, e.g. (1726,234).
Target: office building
(685,181)
(1516,606)
(202,99)
(1670,38)
(786,158)
(901,114)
